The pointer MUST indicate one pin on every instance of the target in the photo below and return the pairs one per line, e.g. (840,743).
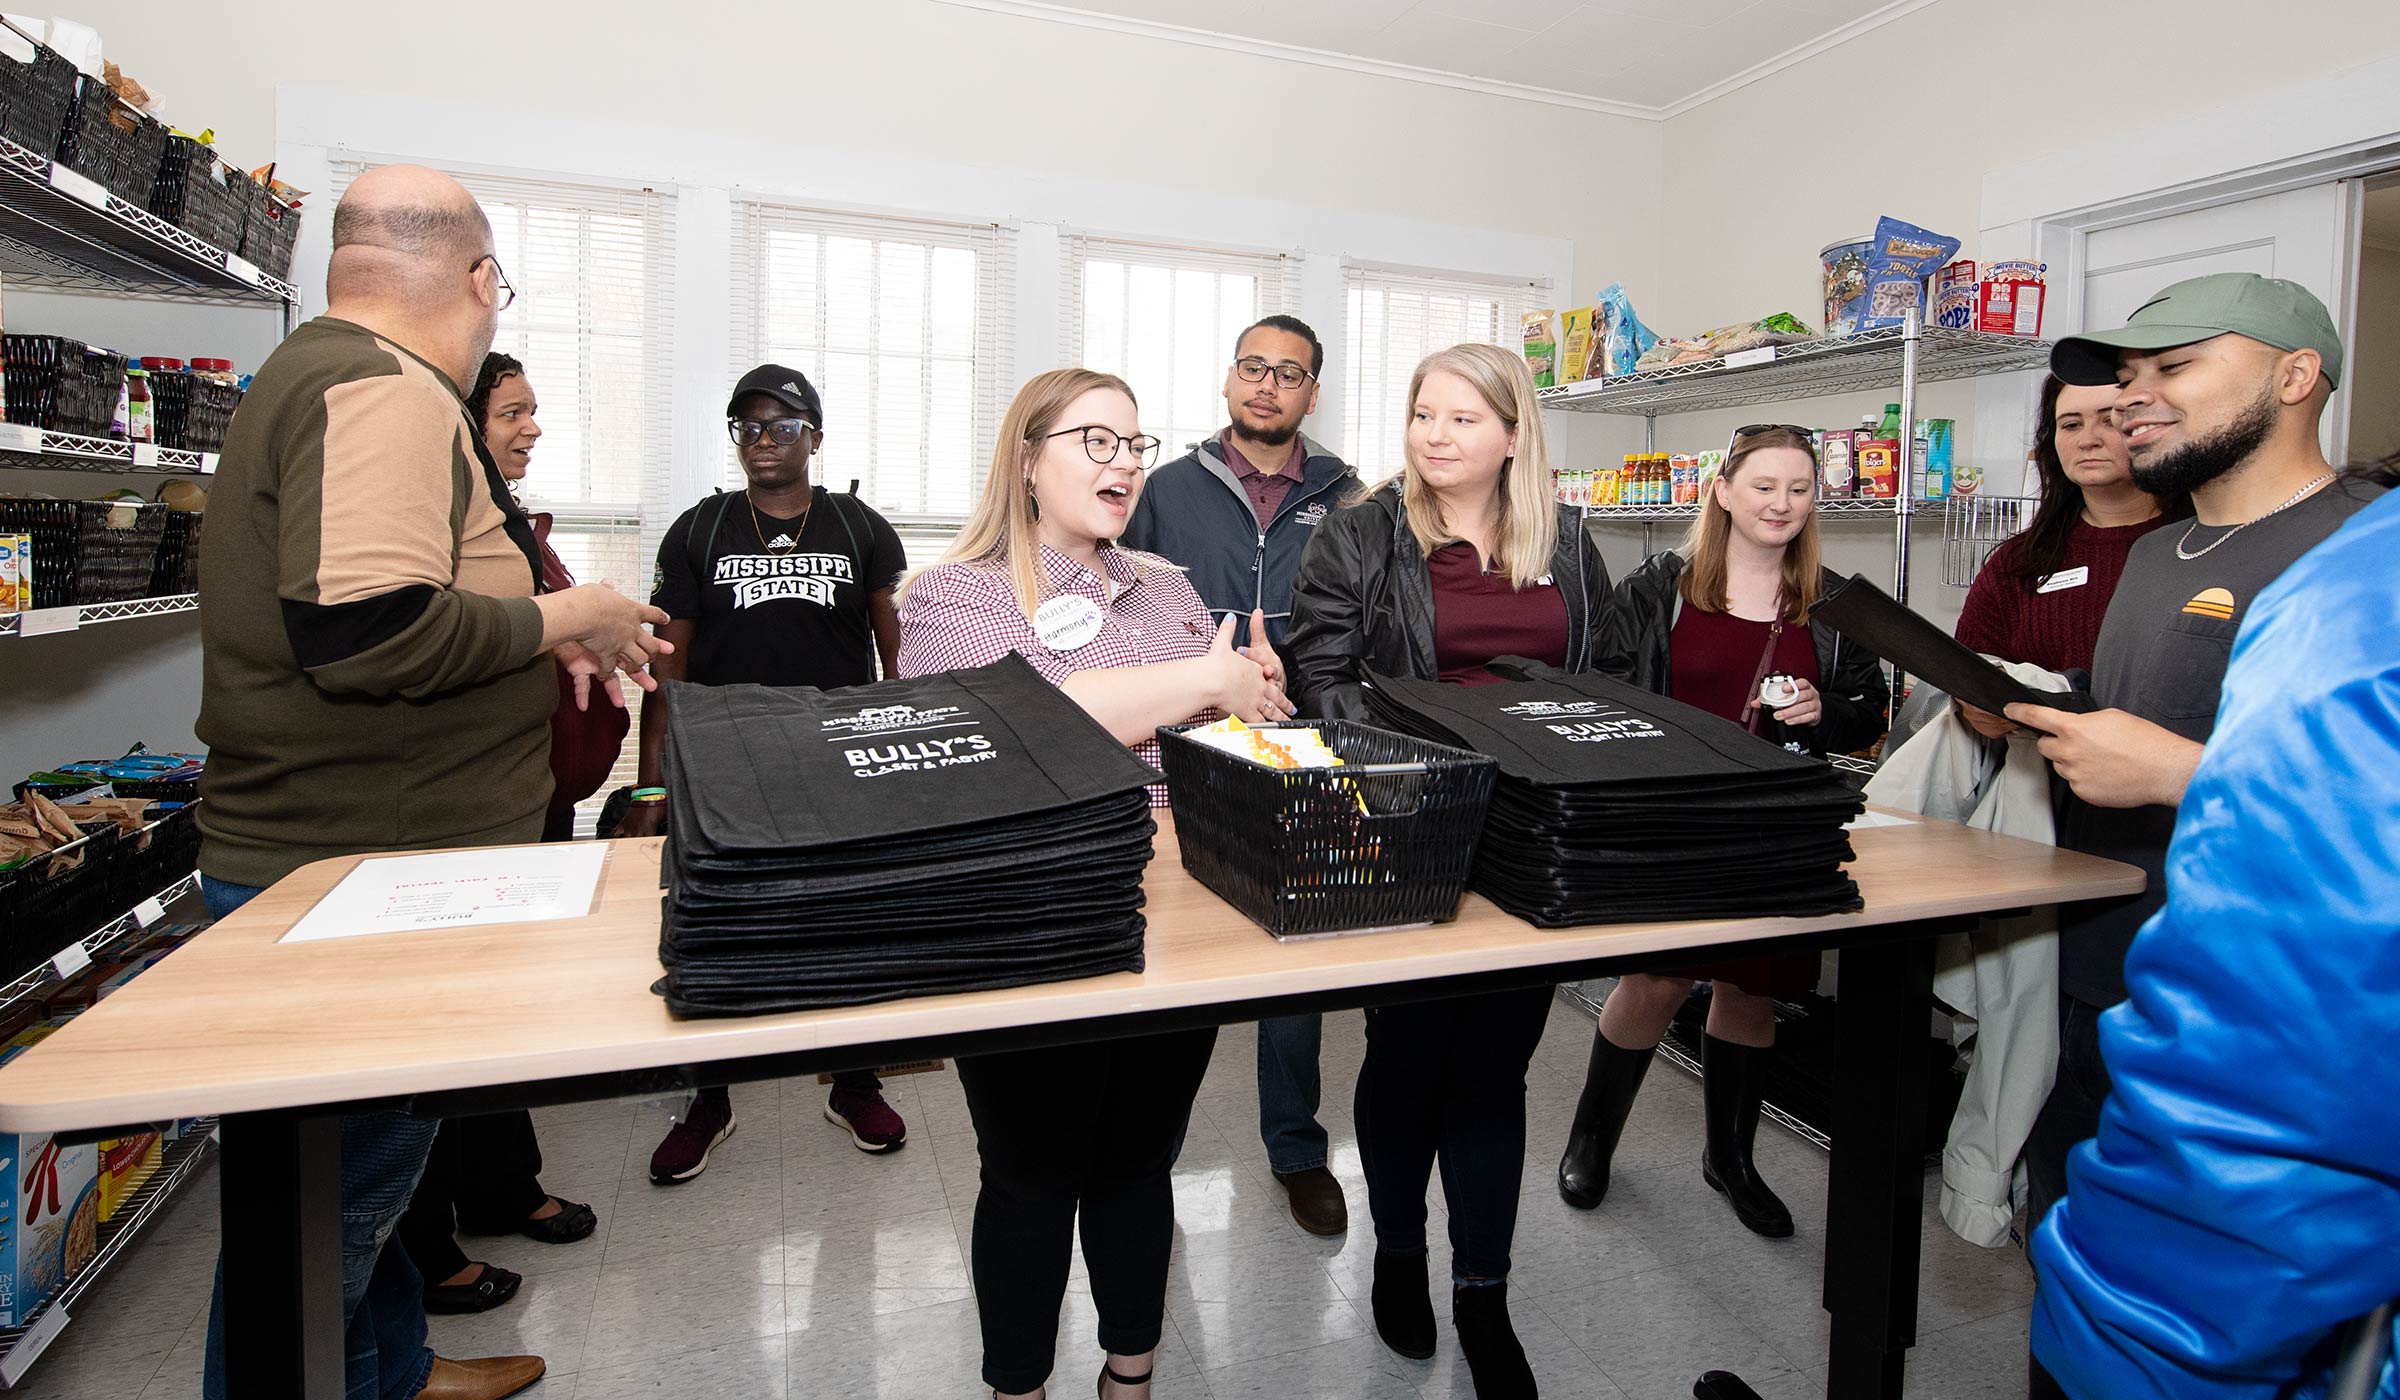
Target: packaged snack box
(1541,347)
(1574,344)
(55,1228)
(126,1163)
(1837,464)
(1879,468)
(16,573)
(2010,298)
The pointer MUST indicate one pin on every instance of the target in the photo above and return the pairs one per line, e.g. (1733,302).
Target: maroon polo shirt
(1265,489)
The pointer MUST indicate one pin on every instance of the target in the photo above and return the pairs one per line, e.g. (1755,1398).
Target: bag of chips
(1898,263)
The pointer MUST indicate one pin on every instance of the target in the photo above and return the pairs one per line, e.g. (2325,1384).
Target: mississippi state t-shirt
(778,601)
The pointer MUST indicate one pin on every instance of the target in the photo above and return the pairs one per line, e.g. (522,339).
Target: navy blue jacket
(1193,513)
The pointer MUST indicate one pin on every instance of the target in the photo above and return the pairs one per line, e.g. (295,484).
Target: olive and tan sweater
(372,671)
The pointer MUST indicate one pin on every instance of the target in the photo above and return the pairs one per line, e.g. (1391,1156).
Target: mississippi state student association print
(761,578)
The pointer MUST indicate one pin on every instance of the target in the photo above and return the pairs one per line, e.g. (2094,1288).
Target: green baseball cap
(2270,310)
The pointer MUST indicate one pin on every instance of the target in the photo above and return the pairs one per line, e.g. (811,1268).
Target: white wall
(2374,373)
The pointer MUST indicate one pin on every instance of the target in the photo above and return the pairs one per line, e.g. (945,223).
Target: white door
(2300,235)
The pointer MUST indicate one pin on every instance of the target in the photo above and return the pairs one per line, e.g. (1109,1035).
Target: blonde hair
(1703,581)
(1003,534)
(1527,536)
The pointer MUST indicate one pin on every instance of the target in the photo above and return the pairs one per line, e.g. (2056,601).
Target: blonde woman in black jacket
(1464,559)
(1706,632)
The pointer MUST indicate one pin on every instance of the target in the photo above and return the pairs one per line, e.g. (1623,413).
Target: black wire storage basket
(1385,840)
(116,546)
(35,96)
(202,195)
(34,367)
(65,894)
(176,569)
(190,412)
(110,143)
(90,388)
(52,525)
(270,229)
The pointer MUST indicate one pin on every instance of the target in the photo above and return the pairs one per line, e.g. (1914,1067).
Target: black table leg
(1875,1204)
(281,1185)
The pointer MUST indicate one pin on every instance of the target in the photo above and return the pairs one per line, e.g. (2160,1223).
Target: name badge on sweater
(1067,621)
(2065,579)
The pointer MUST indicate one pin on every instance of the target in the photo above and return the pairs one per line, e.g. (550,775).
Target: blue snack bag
(1626,337)
(1898,263)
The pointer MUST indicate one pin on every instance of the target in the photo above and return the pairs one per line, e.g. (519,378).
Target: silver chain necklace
(2292,500)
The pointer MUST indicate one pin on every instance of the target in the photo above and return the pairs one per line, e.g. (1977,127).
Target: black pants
(1446,1079)
(485,1174)
(2070,1115)
(1073,1130)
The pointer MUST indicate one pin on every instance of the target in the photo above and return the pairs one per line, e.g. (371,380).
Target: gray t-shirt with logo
(2162,656)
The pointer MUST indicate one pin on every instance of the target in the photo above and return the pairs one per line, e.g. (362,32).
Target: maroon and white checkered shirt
(965,614)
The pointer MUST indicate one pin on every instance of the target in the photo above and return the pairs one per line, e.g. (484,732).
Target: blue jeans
(1288,1088)
(384,1355)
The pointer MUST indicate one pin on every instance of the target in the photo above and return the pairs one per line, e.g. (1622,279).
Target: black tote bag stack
(1616,805)
(947,833)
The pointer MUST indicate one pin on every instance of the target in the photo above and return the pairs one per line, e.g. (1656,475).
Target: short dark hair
(1292,325)
(496,367)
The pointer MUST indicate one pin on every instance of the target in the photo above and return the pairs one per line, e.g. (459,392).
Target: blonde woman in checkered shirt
(1080,1131)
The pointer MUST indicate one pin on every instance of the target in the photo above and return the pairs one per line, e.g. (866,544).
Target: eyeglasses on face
(1256,370)
(508,294)
(1102,444)
(782,431)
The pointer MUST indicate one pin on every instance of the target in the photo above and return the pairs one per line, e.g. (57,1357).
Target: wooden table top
(236,1021)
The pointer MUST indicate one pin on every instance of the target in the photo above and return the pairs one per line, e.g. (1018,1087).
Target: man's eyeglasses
(782,431)
(508,294)
(1286,376)
(1102,444)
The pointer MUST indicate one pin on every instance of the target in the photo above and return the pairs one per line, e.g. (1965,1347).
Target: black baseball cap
(788,387)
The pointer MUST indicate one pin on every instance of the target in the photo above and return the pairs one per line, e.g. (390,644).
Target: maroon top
(584,743)
(1266,489)
(2057,631)
(1712,657)
(1478,616)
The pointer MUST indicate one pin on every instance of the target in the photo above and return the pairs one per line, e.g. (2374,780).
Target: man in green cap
(2221,383)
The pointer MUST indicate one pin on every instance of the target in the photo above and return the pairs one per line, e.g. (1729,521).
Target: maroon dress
(1711,661)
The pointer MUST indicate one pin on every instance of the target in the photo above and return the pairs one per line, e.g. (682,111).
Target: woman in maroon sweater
(2042,594)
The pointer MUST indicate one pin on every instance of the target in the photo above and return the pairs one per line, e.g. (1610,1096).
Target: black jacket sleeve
(1596,593)
(1634,625)
(1326,648)
(1856,698)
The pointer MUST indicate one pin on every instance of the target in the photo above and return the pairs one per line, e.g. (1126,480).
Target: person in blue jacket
(2242,1199)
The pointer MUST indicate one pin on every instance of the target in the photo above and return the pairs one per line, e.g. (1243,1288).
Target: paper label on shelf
(82,188)
(71,960)
(208,463)
(149,912)
(506,885)
(243,268)
(41,622)
(37,1339)
(18,437)
(145,454)
(1744,359)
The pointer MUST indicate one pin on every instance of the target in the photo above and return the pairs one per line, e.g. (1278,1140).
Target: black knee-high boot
(1733,1076)
(1609,1087)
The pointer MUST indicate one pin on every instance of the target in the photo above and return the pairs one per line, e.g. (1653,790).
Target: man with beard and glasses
(2222,381)
(1236,512)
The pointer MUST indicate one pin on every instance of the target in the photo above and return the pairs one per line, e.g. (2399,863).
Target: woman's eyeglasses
(1286,376)
(1102,445)
(783,431)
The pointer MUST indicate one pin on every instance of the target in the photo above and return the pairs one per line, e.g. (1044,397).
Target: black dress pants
(1445,1080)
(484,1174)
(1073,1131)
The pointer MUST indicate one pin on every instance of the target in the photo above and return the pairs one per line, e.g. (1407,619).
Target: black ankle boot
(1731,1080)
(1403,1303)
(1609,1086)
(1494,1357)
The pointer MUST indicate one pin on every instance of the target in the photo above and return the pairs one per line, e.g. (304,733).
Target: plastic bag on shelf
(1626,338)
(1897,265)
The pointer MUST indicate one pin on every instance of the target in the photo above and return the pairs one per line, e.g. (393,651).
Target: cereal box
(55,1229)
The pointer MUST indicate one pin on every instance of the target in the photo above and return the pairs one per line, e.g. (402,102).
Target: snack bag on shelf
(1574,343)
(1541,347)
(1623,337)
(1897,265)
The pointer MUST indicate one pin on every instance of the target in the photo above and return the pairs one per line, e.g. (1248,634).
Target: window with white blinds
(1164,319)
(1396,318)
(594,271)
(906,327)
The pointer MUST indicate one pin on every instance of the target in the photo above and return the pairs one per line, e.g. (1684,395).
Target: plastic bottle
(1891,427)
(138,425)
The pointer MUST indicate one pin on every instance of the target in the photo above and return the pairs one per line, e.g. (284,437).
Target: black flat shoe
(574,1221)
(490,1289)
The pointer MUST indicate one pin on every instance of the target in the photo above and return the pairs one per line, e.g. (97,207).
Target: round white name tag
(1067,621)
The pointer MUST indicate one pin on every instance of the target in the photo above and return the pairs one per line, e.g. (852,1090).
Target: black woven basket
(171,406)
(111,143)
(201,194)
(1384,841)
(176,570)
(35,366)
(57,544)
(270,231)
(117,542)
(90,386)
(159,854)
(210,414)
(35,97)
(50,900)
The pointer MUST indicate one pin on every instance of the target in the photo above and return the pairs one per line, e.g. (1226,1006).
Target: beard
(1280,435)
(2182,470)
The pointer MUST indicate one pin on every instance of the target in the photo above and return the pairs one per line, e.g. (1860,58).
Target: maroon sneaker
(705,1126)
(873,1125)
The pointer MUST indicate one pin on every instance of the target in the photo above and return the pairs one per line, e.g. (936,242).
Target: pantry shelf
(143,915)
(1869,360)
(23,446)
(44,621)
(1877,509)
(60,230)
(178,1166)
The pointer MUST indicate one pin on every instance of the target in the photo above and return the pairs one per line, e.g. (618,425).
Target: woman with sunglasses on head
(2042,594)
(1464,559)
(1080,1133)
(781,583)
(1725,627)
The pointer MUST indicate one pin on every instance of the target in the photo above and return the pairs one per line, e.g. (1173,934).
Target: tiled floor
(796,1267)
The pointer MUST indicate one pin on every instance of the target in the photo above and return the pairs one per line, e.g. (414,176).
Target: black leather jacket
(1363,602)
(1641,615)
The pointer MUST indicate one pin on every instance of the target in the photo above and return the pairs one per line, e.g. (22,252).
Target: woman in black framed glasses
(1725,626)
